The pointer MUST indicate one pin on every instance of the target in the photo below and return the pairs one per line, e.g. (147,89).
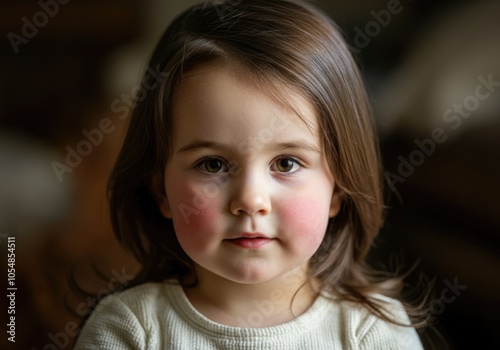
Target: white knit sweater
(159,316)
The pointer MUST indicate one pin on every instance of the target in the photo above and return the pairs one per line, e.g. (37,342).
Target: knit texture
(159,316)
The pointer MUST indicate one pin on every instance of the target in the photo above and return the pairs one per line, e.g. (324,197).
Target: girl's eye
(212,166)
(287,165)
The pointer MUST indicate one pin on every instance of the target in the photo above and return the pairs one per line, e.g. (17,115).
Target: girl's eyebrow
(200,144)
(300,145)
(275,147)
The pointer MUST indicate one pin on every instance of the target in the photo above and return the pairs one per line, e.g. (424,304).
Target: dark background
(417,64)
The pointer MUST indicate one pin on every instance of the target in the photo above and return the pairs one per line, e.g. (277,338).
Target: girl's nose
(251,196)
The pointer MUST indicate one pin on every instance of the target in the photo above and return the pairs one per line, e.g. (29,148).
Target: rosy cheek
(306,217)
(194,215)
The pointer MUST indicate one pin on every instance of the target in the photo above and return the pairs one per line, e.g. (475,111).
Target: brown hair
(278,42)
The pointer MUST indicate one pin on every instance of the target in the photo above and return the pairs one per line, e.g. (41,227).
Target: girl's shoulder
(144,297)
(371,330)
(149,290)
(129,319)
(356,311)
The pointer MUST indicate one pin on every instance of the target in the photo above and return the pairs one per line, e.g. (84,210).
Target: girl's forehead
(217,108)
(217,87)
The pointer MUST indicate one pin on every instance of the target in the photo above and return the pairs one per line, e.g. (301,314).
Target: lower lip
(250,243)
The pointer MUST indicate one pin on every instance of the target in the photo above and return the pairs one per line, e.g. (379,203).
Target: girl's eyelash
(293,159)
(200,162)
(203,160)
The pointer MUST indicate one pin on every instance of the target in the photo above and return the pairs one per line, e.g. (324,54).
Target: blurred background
(68,69)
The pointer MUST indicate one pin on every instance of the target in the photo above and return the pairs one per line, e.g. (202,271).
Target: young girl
(248,187)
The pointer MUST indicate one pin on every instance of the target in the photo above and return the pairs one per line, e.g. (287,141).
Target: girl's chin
(244,276)
(253,272)
(249,277)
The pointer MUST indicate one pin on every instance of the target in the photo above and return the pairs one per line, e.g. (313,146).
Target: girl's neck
(252,305)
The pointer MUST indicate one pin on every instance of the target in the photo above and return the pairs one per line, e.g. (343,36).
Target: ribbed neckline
(305,322)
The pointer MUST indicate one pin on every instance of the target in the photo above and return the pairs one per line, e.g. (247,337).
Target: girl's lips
(250,243)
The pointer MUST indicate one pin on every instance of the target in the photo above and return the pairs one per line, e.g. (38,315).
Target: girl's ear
(160,195)
(335,203)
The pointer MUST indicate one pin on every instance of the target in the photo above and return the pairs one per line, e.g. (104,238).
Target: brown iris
(213,165)
(284,165)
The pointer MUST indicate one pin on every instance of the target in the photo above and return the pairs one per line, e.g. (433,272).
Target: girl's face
(248,187)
